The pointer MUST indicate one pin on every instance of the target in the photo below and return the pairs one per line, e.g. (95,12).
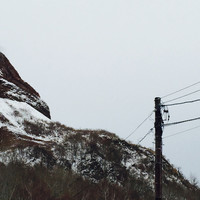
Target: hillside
(43,159)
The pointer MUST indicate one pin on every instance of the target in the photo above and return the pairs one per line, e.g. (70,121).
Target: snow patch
(16,113)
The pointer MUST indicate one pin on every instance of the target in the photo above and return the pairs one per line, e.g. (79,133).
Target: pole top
(157,99)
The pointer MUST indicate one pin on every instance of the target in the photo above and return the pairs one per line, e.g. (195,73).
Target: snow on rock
(10,108)
(14,88)
(14,115)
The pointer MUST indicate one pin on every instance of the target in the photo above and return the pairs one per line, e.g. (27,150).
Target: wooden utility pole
(158,149)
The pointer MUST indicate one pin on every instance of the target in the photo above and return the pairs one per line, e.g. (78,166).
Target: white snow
(19,155)
(15,91)
(26,112)
(18,112)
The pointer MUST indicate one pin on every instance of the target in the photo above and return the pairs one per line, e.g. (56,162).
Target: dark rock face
(14,88)
(10,74)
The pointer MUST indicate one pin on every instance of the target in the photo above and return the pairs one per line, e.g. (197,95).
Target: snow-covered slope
(11,91)
(14,114)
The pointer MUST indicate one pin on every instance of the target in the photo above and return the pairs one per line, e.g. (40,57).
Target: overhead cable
(182,96)
(181,122)
(186,102)
(180,90)
(181,132)
(140,125)
(150,131)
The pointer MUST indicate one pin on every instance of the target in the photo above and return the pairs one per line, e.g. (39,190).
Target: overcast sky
(100,64)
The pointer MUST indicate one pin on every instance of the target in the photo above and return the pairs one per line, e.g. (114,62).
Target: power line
(181,132)
(180,122)
(182,96)
(140,125)
(180,90)
(150,131)
(186,102)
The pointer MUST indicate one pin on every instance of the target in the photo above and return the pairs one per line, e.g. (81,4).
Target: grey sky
(99,64)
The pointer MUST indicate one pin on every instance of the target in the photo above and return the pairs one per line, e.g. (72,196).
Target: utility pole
(158,149)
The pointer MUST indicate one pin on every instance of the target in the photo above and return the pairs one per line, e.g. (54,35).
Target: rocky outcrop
(14,88)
